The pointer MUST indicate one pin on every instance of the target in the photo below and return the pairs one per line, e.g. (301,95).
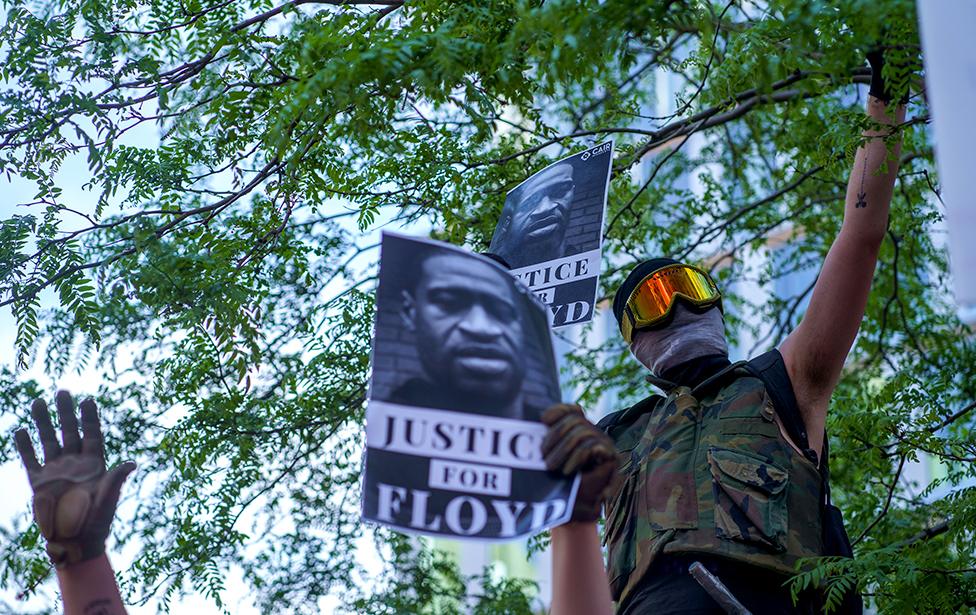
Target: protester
(74,503)
(730,468)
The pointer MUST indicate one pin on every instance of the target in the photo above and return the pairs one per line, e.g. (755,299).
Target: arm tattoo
(861,194)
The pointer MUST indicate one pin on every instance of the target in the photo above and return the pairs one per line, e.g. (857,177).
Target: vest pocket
(750,498)
(619,537)
(668,492)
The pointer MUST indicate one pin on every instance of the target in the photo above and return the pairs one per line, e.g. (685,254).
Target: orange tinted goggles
(652,299)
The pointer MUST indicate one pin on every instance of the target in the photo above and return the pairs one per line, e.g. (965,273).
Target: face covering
(688,336)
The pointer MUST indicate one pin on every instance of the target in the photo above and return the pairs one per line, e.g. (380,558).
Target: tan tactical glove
(573,444)
(74,497)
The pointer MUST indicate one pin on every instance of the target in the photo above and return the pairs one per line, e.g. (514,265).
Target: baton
(717,590)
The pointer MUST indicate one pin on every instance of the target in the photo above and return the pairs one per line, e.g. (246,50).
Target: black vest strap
(770,368)
(623,418)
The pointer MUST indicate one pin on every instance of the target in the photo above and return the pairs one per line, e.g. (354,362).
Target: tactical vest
(707,470)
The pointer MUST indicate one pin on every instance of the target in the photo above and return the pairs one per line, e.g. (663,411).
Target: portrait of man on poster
(463,366)
(532,227)
(464,336)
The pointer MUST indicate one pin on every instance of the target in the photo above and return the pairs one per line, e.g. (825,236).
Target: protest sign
(463,367)
(551,230)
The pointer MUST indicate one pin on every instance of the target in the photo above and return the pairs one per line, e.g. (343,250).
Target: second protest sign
(551,232)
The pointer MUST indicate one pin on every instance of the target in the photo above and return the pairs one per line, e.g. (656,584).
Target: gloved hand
(573,444)
(74,497)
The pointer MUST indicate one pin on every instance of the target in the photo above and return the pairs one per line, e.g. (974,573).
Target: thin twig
(887,504)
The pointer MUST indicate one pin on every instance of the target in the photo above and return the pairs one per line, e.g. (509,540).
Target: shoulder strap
(719,379)
(825,470)
(770,368)
(610,420)
(623,418)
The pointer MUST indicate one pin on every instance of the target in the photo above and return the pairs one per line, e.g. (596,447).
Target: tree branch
(887,504)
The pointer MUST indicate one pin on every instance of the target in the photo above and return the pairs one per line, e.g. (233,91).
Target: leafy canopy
(219,277)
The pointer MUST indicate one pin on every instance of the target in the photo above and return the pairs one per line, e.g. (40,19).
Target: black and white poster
(463,368)
(551,230)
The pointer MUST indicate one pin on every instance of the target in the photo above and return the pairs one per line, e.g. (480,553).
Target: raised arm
(74,503)
(573,444)
(815,351)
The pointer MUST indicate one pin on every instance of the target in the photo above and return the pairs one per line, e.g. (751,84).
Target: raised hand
(573,444)
(74,496)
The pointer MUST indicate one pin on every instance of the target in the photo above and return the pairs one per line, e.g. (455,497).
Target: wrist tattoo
(861,194)
(98,607)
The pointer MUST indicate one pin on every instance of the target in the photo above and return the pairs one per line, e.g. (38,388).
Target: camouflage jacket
(707,470)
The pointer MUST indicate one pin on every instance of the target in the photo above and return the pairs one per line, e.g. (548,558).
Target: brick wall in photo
(586,211)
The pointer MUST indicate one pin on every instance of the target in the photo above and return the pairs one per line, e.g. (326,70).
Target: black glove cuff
(67,553)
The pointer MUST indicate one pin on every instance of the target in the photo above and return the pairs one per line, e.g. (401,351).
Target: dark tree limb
(887,504)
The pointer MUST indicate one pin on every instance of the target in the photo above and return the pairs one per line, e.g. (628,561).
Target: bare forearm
(815,352)
(579,579)
(89,588)
(872,180)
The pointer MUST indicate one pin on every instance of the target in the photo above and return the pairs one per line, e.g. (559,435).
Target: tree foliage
(221,276)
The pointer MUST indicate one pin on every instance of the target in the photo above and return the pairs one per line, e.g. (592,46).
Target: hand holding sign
(573,444)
